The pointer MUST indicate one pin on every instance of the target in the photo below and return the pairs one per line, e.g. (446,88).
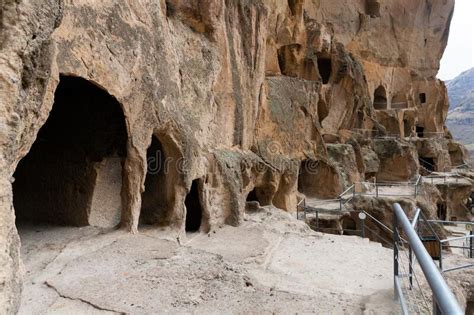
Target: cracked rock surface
(271,263)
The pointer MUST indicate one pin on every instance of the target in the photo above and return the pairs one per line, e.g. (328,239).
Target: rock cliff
(139,112)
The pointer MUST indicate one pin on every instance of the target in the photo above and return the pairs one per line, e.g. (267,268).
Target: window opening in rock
(420,131)
(324,68)
(422,98)
(193,209)
(73,173)
(441,211)
(372,8)
(380,98)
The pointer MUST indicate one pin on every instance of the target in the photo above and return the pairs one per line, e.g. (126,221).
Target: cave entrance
(372,8)
(420,131)
(154,197)
(193,208)
(288,59)
(349,226)
(262,195)
(380,98)
(422,97)
(324,68)
(252,196)
(441,211)
(427,163)
(73,173)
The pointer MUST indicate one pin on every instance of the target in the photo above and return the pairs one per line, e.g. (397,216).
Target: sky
(459,54)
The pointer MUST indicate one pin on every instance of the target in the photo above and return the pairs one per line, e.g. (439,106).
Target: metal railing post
(441,256)
(443,297)
(317,220)
(410,266)
(470,245)
(362,217)
(395,254)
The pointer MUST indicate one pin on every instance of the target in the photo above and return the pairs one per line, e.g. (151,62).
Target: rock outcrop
(212,103)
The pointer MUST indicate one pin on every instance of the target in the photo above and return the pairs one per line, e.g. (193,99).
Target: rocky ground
(271,264)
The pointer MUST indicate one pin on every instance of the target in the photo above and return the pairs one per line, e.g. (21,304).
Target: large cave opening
(72,174)
(380,98)
(193,208)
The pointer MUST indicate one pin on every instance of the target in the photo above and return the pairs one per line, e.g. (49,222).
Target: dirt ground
(271,264)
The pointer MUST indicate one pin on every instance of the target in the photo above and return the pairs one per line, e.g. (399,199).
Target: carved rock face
(237,93)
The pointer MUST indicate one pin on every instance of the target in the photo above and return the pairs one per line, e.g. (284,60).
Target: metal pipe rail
(444,301)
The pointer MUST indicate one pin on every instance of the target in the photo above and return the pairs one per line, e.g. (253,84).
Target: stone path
(271,264)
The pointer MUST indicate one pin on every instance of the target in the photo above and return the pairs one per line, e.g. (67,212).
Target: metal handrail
(444,300)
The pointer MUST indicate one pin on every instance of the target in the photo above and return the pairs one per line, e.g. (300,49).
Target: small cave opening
(349,226)
(324,68)
(154,197)
(193,208)
(399,101)
(441,211)
(72,174)
(428,163)
(380,98)
(252,196)
(261,194)
(422,97)
(288,59)
(372,8)
(420,131)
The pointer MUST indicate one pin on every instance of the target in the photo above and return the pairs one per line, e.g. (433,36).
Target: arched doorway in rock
(261,194)
(194,210)
(155,206)
(380,98)
(72,174)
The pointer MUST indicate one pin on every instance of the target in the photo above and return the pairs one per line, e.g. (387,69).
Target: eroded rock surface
(215,103)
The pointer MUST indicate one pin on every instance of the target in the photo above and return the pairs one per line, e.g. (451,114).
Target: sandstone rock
(241,95)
